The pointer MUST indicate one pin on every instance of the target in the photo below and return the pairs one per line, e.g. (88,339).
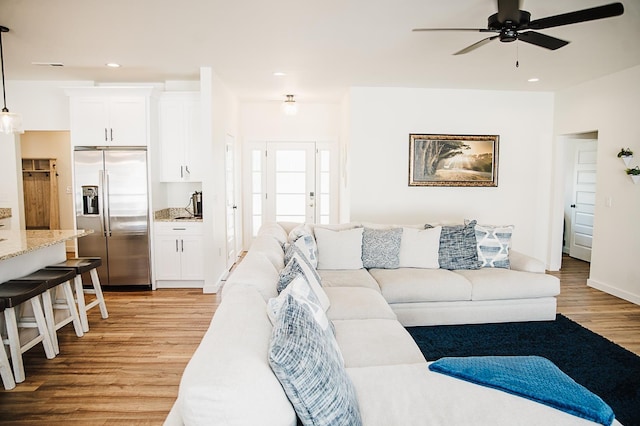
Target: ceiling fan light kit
(9,122)
(511,24)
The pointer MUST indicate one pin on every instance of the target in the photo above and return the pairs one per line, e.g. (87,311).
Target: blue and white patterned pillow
(298,265)
(291,270)
(381,248)
(458,247)
(306,363)
(493,244)
(307,245)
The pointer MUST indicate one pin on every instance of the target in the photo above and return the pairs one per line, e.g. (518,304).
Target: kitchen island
(23,252)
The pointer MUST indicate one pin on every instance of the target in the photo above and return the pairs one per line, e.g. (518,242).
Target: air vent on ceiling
(48,64)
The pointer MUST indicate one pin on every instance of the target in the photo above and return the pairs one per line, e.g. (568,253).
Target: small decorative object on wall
(453,160)
(626,155)
(634,173)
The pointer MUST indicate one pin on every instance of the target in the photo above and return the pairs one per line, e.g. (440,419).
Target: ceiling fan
(511,24)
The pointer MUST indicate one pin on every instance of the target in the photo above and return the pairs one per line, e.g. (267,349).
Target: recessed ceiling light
(279,74)
(533,80)
(113,65)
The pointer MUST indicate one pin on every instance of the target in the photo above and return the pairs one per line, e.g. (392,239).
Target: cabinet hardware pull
(176,246)
(105,134)
(182,246)
(111,134)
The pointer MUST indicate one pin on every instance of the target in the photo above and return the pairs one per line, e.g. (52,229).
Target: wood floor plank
(127,369)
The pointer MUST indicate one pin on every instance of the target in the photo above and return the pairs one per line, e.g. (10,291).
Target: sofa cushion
(381,247)
(255,271)
(348,278)
(271,248)
(274,230)
(458,248)
(421,285)
(339,249)
(365,343)
(500,284)
(419,248)
(228,381)
(493,245)
(309,369)
(357,303)
(410,394)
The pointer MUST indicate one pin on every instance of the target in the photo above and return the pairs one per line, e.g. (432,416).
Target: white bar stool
(82,265)
(5,368)
(14,294)
(54,278)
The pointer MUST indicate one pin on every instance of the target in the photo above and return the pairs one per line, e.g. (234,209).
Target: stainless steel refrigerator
(111,197)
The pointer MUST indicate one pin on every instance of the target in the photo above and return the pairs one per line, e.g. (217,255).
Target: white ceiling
(324,46)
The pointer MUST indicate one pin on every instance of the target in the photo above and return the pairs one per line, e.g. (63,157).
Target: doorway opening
(580,172)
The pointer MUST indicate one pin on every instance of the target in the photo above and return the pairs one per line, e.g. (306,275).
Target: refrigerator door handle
(103,198)
(107,208)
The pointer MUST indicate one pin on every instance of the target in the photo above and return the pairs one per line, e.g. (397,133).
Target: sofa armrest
(522,262)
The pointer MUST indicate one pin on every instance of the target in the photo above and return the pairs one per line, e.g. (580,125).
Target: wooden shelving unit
(40,186)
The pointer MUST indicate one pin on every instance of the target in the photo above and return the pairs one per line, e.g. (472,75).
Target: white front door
(290,182)
(584,200)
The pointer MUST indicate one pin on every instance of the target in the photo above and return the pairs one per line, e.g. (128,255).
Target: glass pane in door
(291,185)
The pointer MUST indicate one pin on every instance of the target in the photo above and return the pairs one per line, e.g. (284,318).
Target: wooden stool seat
(82,265)
(54,279)
(13,295)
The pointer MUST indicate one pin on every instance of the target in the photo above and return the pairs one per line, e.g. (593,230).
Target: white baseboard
(622,294)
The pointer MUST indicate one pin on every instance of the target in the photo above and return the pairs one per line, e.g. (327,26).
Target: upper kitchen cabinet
(180,140)
(110,116)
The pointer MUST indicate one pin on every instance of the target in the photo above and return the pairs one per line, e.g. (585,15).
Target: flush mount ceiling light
(289,106)
(9,123)
(113,65)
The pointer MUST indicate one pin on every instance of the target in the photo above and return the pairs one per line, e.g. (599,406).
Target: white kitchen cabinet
(178,253)
(102,116)
(180,140)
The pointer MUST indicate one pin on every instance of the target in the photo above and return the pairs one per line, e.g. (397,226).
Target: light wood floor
(127,369)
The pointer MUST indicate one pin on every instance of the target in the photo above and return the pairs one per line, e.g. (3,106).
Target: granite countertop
(175,214)
(16,243)
(5,212)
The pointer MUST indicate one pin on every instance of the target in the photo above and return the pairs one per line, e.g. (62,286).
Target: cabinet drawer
(178,228)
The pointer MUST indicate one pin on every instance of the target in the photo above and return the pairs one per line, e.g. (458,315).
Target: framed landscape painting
(453,160)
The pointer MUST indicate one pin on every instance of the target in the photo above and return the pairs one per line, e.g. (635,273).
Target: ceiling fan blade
(474,46)
(542,40)
(508,10)
(477,30)
(600,12)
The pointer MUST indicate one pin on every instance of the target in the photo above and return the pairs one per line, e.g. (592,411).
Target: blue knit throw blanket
(531,377)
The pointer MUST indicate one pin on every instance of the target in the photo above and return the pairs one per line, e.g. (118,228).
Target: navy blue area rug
(606,369)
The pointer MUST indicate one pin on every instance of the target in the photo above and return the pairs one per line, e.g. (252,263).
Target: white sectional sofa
(229,380)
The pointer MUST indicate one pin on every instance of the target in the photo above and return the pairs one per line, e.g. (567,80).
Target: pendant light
(9,122)
(289,107)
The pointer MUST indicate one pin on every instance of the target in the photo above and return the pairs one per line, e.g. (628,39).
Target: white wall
(265,122)
(609,106)
(220,118)
(43,106)
(381,120)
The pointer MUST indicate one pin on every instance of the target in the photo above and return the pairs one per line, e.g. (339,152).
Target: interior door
(291,182)
(584,200)
(230,194)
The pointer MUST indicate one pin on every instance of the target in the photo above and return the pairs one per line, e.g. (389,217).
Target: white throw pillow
(339,249)
(419,248)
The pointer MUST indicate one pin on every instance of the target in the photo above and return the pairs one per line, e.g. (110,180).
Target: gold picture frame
(453,160)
